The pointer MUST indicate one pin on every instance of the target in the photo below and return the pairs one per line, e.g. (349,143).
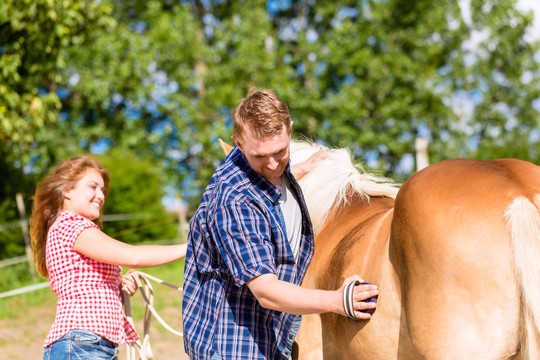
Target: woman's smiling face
(87,197)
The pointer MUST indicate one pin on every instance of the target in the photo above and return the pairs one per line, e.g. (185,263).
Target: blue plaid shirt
(237,234)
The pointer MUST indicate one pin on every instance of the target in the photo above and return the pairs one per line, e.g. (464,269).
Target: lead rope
(142,350)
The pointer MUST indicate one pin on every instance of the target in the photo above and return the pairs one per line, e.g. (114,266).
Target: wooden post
(24,227)
(422,159)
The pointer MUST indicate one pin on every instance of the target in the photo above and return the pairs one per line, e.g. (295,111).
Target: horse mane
(332,182)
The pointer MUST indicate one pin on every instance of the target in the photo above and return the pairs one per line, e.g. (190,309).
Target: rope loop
(142,350)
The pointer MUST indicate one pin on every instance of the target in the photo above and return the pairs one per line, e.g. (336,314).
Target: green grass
(14,305)
(16,276)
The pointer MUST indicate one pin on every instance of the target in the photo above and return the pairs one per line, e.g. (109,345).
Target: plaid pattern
(237,234)
(88,290)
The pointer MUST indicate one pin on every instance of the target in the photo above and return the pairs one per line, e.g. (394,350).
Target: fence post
(422,158)
(24,227)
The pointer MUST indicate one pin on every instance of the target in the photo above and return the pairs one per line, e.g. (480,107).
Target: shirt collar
(270,190)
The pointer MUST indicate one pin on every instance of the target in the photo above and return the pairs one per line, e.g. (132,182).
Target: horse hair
(331,182)
(524,220)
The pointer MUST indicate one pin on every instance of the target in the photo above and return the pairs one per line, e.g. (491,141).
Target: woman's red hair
(49,200)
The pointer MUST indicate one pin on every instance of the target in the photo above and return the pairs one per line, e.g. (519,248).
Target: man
(249,246)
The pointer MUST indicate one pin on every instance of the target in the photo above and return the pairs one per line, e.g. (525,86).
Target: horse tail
(524,221)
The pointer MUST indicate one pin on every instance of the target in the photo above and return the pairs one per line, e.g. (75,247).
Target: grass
(25,319)
(17,275)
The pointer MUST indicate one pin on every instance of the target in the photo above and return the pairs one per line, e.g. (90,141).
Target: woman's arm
(99,246)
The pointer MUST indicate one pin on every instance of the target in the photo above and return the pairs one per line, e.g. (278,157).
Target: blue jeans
(81,345)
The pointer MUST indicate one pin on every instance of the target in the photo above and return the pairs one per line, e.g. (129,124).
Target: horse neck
(354,239)
(357,211)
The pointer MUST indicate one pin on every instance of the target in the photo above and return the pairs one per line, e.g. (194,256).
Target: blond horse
(456,257)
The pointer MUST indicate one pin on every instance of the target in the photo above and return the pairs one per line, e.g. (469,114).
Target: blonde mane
(330,182)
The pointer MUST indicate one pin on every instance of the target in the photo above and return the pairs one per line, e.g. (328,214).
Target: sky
(533,5)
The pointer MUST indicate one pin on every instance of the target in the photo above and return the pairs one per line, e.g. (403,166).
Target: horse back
(453,256)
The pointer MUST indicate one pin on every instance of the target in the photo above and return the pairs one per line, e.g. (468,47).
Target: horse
(454,251)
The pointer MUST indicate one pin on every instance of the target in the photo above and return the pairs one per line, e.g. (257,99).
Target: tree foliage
(160,78)
(134,195)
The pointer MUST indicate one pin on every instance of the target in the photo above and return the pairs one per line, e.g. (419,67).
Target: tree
(136,191)
(35,38)
(504,80)
(160,78)
(375,75)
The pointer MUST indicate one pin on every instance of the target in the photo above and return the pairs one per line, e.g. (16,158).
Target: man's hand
(360,293)
(286,297)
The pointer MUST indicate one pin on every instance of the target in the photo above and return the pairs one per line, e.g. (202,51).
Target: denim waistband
(107,342)
(80,334)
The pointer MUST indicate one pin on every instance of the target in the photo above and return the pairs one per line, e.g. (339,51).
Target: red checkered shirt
(88,290)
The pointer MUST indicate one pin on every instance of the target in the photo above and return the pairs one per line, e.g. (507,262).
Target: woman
(83,264)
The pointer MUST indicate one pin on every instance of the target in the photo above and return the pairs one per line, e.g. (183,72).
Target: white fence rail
(24,289)
(13,261)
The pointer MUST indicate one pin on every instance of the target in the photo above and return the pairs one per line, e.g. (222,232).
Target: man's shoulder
(228,184)
(235,182)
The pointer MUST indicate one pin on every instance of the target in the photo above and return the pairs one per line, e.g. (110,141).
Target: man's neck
(275,181)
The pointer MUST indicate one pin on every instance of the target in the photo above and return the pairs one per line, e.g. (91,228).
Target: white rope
(142,350)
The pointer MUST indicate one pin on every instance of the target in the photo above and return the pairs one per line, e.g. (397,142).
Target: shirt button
(291,337)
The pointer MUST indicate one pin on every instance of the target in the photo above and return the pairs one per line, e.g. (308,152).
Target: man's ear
(238,143)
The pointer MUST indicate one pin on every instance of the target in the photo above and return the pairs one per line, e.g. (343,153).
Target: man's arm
(293,299)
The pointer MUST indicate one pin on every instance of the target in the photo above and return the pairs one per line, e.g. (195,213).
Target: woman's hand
(129,283)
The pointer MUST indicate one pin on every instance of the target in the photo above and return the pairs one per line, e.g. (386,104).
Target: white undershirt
(292,215)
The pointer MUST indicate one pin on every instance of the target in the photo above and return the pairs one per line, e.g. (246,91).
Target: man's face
(268,156)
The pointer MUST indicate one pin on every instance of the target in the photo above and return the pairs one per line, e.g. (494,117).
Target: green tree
(136,191)
(375,75)
(160,78)
(13,181)
(505,75)
(35,37)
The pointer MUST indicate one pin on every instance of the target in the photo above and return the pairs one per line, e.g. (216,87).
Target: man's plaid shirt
(237,234)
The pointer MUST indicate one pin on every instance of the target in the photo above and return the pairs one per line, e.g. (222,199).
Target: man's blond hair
(263,111)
